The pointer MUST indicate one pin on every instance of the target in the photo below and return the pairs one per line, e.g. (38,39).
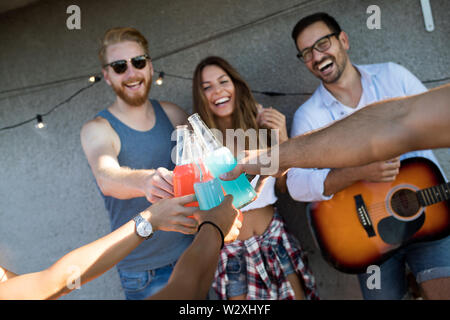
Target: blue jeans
(426,260)
(139,285)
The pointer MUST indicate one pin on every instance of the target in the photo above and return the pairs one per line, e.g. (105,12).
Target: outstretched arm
(377,132)
(194,271)
(92,260)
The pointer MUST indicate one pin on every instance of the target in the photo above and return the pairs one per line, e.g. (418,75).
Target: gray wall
(49,202)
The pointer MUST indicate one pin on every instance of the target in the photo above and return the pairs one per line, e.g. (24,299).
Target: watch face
(148,228)
(144,229)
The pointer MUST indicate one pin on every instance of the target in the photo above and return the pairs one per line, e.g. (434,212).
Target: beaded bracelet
(213,224)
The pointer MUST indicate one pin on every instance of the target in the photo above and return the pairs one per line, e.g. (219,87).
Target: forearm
(378,132)
(123,182)
(426,120)
(194,271)
(77,267)
(335,146)
(339,179)
(93,259)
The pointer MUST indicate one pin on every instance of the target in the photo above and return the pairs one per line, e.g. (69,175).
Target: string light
(39,118)
(160,79)
(40,123)
(94,79)
(162,74)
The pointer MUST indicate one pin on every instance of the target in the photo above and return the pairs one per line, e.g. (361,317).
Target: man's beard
(135,99)
(340,67)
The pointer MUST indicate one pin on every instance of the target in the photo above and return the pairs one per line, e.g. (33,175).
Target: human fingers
(185,221)
(153,199)
(187,211)
(163,178)
(259,109)
(233,174)
(223,215)
(166,174)
(175,218)
(157,193)
(249,164)
(227,210)
(227,201)
(273,114)
(391,165)
(274,124)
(388,174)
(182,228)
(158,182)
(183,200)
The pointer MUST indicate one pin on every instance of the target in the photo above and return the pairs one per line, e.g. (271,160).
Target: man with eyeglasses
(345,88)
(128,146)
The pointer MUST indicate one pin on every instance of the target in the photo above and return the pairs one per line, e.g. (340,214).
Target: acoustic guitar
(366,223)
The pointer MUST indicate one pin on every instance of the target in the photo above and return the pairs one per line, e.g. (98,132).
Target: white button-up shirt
(379,82)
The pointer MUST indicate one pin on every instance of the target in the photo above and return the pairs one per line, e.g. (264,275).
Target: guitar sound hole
(405,203)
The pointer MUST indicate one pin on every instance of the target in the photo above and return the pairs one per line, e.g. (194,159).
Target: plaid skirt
(266,278)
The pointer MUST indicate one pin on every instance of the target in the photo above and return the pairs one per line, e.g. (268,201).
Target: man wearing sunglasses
(128,146)
(322,47)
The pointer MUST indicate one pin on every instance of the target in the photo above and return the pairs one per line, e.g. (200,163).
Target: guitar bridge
(363,215)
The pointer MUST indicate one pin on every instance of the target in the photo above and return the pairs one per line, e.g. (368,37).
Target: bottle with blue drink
(219,159)
(209,194)
(208,189)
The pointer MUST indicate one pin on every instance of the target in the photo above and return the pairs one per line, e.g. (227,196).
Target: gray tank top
(145,150)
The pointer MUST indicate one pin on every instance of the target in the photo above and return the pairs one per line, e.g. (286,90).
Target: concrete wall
(49,201)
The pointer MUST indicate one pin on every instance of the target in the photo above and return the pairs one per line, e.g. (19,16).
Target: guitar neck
(433,195)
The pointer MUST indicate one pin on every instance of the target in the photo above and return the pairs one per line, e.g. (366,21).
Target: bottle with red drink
(189,168)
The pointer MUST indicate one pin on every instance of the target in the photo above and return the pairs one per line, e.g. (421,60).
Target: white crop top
(266,197)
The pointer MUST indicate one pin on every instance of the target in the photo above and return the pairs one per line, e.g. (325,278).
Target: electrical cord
(39,116)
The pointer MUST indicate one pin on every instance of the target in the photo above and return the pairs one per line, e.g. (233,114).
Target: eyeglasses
(320,45)
(120,66)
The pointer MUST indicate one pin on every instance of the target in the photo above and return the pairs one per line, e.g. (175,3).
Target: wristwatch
(144,228)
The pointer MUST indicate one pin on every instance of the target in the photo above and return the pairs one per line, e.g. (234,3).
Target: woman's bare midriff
(255,222)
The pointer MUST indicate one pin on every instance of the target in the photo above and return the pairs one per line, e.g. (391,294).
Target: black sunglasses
(120,66)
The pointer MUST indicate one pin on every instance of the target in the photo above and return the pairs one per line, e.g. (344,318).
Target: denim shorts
(237,271)
(139,285)
(426,260)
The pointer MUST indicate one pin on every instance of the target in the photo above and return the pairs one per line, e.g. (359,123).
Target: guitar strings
(378,209)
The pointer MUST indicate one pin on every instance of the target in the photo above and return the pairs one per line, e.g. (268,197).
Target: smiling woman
(219,91)
(264,250)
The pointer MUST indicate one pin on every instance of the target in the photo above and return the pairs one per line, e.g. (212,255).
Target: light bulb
(40,123)
(160,79)
(94,79)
